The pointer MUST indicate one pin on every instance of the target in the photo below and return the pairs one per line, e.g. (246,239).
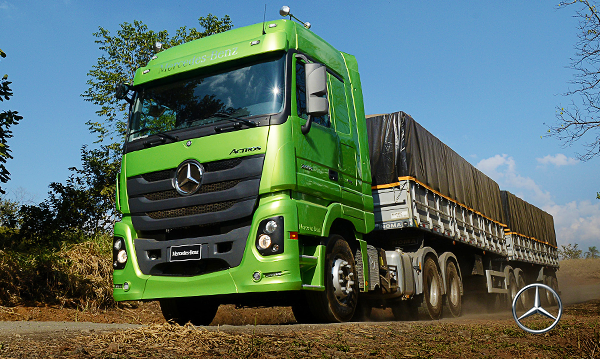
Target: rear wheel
(513,288)
(339,300)
(432,288)
(453,296)
(551,282)
(524,298)
(197,310)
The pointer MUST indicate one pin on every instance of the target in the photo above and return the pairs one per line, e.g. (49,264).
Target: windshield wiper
(238,121)
(162,135)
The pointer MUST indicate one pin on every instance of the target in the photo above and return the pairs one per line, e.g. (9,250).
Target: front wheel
(339,300)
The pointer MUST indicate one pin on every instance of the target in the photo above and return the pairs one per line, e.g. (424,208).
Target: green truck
(251,175)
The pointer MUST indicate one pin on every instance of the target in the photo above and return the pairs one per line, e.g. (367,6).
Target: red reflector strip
(293,235)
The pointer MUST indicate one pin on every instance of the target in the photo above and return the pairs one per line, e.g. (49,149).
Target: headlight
(122,257)
(270,227)
(269,237)
(119,253)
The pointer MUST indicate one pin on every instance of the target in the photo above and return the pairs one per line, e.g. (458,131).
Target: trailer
(429,201)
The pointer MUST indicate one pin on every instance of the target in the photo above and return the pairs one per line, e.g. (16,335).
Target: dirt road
(139,331)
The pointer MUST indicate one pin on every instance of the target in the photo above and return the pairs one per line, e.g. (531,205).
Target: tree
(592,252)
(125,52)
(7,119)
(570,251)
(84,204)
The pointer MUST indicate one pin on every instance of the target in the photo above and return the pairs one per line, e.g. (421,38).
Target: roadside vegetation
(58,251)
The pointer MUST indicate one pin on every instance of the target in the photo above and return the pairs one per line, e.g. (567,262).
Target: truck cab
(245,162)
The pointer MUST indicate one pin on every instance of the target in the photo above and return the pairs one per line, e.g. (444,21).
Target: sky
(485,77)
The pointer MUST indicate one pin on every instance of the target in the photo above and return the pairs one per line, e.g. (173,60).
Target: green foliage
(592,252)
(84,204)
(125,52)
(570,251)
(7,120)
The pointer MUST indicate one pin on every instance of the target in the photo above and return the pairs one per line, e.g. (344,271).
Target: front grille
(230,185)
(208,167)
(158,176)
(207,188)
(192,210)
(223,164)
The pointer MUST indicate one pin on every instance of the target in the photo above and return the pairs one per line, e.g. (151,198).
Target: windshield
(248,91)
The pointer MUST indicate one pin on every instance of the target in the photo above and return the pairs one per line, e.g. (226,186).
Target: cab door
(318,151)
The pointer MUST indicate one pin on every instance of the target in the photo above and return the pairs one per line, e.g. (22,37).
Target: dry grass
(77,275)
(575,337)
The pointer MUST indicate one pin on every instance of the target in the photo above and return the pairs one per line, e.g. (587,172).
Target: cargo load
(400,147)
(528,220)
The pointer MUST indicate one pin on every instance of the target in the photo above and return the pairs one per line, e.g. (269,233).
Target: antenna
(285,11)
(264,19)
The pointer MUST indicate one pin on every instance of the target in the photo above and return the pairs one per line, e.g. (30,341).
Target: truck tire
(524,299)
(453,284)
(338,302)
(432,288)
(196,310)
(551,282)
(513,289)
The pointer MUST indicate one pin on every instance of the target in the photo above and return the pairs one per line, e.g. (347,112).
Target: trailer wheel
(197,310)
(524,299)
(513,288)
(432,288)
(339,300)
(453,297)
(551,282)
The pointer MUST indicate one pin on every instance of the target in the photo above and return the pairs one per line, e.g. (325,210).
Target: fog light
(270,227)
(264,241)
(256,276)
(122,256)
(126,286)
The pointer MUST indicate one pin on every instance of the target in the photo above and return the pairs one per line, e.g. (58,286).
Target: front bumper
(279,272)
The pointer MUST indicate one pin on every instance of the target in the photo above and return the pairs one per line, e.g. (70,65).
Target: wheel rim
(343,279)
(434,290)
(454,294)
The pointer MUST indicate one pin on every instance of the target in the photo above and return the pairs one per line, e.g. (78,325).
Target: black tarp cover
(400,147)
(528,220)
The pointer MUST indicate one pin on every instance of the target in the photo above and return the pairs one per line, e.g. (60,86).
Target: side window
(301,97)
(340,105)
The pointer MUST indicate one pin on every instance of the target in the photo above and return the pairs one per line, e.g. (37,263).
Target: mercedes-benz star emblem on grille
(188,177)
(537,308)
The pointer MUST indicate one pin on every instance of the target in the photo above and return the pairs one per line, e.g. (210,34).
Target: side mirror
(121,91)
(316,89)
